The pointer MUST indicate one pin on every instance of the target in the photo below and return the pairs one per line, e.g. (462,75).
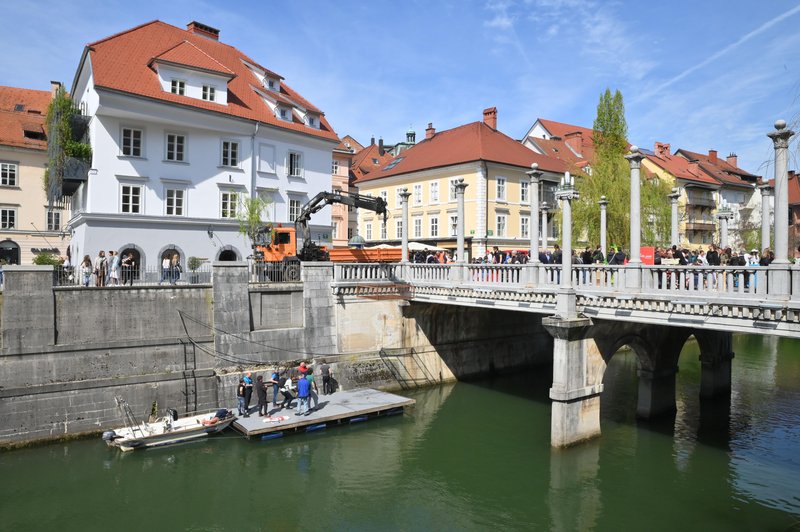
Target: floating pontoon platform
(339,408)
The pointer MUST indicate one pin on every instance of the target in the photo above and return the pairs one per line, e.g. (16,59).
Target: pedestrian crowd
(295,383)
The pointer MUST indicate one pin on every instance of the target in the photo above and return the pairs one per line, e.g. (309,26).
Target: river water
(472,456)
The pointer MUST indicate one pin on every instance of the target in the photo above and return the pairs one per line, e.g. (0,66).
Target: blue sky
(700,75)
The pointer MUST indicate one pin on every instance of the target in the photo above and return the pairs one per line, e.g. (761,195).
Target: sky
(699,75)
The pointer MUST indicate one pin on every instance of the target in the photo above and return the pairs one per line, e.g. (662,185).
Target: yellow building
(27,226)
(497,198)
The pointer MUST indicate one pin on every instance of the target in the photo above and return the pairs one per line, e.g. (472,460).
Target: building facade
(183,130)
(28,224)
(497,197)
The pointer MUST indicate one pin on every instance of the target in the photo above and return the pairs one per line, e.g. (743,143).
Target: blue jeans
(164,275)
(275,389)
(302,406)
(241,406)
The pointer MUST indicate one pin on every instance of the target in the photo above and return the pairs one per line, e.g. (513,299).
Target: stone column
(460,188)
(603,225)
(404,195)
(780,139)
(534,175)
(545,208)
(577,382)
(656,392)
(716,354)
(765,226)
(673,199)
(565,302)
(723,229)
(633,273)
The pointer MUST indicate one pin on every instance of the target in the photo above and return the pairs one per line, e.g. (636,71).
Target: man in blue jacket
(303,387)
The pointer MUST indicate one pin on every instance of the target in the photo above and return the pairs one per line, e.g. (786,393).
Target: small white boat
(167,430)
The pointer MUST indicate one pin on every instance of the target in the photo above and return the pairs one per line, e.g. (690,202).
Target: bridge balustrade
(429,272)
(370,271)
(742,281)
(495,274)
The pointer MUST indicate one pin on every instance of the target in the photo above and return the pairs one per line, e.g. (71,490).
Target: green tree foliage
(610,177)
(251,216)
(46,259)
(61,144)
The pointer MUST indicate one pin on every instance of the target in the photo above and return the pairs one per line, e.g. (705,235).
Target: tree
(250,216)
(66,129)
(610,177)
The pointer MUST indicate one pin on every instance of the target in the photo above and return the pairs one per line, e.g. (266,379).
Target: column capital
(765,189)
(534,173)
(635,157)
(461,186)
(674,195)
(780,137)
(603,202)
(405,194)
(544,207)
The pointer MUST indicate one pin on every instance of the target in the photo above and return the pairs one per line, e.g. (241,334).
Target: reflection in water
(472,456)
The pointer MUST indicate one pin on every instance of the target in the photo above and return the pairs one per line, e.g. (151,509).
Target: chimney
(575,141)
(733,160)
(429,131)
(204,31)
(712,156)
(381,151)
(490,117)
(372,140)
(54,86)
(662,149)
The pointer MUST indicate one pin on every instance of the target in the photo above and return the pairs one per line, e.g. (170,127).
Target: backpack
(282,382)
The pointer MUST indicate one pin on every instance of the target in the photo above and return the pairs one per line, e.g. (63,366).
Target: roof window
(19,107)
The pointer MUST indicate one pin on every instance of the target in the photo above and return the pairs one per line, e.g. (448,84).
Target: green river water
(472,456)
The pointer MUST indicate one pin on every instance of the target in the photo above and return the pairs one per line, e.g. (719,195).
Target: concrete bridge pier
(716,354)
(578,371)
(656,392)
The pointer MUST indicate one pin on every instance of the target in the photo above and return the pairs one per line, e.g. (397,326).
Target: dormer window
(284,113)
(312,120)
(209,93)
(178,87)
(271,84)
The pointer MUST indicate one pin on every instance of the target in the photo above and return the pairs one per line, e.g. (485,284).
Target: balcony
(700,224)
(703,199)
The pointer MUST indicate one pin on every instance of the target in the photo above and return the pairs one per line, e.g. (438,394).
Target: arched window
(9,252)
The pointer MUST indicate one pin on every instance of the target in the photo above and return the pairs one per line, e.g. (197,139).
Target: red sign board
(648,255)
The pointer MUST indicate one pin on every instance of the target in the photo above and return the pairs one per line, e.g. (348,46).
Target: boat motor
(109,435)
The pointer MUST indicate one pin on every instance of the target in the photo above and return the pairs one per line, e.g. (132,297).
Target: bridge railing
(744,281)
(371,271)
(437,273)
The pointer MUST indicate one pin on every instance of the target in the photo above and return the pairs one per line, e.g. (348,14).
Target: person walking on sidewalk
(261,392)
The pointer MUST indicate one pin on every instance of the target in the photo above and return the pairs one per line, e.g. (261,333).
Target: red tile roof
(13,124)
(681,169)
(560,129)
(794,188)
(559,149)
(187,54)
(721,170)
(368,160)
(471,142)
(121,63)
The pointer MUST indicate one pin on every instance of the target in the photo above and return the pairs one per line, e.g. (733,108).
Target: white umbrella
(418,246)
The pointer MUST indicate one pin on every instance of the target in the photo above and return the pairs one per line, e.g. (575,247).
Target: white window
(435,192)
(335,167)
(131,142)
(311,121)
(385,197)
(8,174)
(523,192)
(434,226)
(131,200)
(209,93)
(284,113)
(295,164)
(53,220)
(349,233)
(268,196)
(453,183)
(399,229)
(417,227)
(176,147)
(335,230)
(453,225)
(271,84)
(384,231)
(230,153)
(525,226)
(294,209)
(417,194)
(398,198)
(175,198)
(178,87)
(501,225)
(8,218)
(501,189)
(229,202)
(368,231)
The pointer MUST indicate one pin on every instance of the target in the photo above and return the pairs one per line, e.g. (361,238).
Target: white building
(183,128)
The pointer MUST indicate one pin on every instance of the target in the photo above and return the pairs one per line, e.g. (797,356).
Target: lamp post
(603,224)
(673,200)
(724,214)
(404,195)
(534,175)
(460,188)
(565,300)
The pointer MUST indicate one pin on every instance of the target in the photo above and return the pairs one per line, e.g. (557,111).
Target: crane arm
(377,205)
